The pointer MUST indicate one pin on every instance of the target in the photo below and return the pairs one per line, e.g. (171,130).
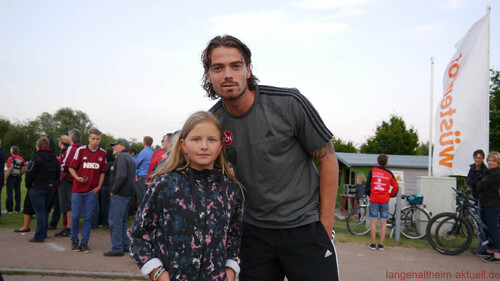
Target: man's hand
(82,180)
(328,225)
(96,190)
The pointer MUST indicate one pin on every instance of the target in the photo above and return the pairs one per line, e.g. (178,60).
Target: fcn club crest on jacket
(228,137)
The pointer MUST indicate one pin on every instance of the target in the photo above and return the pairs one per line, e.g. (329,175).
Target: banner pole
(430,116)
(488,9)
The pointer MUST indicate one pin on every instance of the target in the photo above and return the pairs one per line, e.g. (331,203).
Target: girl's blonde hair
(495,155)
(360,178)
(179,161)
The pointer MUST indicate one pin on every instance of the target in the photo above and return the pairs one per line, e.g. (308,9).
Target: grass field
(13,221)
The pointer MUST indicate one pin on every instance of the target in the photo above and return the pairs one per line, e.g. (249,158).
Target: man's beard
(236,97)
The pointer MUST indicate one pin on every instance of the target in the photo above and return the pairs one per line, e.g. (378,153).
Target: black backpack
(17,167)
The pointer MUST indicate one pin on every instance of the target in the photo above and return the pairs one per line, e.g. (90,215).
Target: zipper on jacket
(205,187)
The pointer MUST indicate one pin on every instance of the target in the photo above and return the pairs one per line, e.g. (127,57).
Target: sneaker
(64,233)
(35,240)
(492,259)
(84,247)
(380,247)
(372,246)
(113,254)
(482,253)
(75,247)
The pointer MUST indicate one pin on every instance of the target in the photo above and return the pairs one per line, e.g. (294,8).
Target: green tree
(392,137)
(106,141)
(134,143)
(63,120)
(423,149)
(494,110)
(4,127)
(22,135)
(343,146)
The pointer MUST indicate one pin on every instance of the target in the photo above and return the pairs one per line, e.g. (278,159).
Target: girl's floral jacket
(189,222)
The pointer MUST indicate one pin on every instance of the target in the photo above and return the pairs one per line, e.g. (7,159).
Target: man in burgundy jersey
(87,168)
(66,179)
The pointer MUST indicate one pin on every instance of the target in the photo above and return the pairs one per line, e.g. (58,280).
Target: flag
(462,116)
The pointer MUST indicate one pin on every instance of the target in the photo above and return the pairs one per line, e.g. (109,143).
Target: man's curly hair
(229,42)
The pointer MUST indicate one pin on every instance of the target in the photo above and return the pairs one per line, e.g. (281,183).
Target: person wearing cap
(122,184)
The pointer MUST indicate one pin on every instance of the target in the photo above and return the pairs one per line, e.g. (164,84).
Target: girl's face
(202,146)
(492,163)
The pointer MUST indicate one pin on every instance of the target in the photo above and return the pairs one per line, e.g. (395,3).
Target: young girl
(189,224)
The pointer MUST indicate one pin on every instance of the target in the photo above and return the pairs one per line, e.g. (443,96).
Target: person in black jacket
(476,171)
(475,175)
(489,197)
(41,176)
(122,189)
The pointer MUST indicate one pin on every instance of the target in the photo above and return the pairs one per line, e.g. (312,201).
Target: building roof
(395,161)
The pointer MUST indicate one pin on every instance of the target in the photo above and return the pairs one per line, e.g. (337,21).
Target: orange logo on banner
(446,138)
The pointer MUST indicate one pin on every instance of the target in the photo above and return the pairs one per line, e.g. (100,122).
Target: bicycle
(412,218)
(452,233)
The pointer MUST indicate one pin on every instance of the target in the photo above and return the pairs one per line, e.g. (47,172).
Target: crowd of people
(234,192)
(82,181)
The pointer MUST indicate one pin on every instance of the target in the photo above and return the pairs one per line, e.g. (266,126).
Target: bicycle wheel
(448,234)
(414,220)
(358,222)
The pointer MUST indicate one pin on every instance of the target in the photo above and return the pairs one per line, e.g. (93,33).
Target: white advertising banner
(462,116)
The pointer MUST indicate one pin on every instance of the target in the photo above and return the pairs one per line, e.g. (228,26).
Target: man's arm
(9,169)
(120,175)
(72,171)
(101,181)
(328,184)
(62,176)
(8,174)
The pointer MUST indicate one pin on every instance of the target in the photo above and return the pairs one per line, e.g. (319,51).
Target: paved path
(357,262)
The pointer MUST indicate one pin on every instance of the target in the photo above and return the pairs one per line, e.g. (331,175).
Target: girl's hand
(231,275)
(164,277)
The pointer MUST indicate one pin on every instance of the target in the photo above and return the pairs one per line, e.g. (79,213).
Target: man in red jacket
(378,183)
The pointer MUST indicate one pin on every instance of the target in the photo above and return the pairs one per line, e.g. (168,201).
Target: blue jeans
(118,214)
(95,217)
(481,235)
(81,201)
(40,200)
(13,185)
(104,205)
(490,218)
(140,189)
(56,213)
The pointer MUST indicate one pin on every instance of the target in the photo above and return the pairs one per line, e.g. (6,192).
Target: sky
(134,66)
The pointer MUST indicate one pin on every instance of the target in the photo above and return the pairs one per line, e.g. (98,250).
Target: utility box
(438,194)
